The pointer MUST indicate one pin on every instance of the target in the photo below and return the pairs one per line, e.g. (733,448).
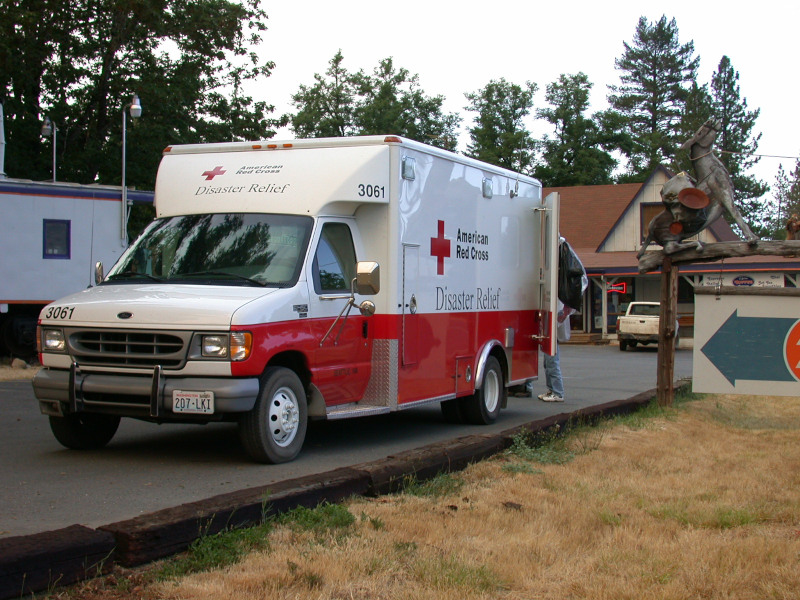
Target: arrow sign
(752,348)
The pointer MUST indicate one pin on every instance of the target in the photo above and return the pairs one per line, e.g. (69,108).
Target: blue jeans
(552,375)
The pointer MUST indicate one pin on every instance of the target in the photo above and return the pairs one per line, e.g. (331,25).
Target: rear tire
(274,431)
(623,345)
(84,431)
(484,406)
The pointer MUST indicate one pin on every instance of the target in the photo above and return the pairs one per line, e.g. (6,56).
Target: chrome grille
(131,348)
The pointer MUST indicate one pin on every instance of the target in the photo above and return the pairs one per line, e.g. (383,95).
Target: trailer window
(335,260)
(56,239)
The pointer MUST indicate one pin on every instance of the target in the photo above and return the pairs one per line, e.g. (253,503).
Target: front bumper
(150,397)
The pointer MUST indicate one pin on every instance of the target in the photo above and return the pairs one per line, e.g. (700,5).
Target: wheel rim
(491,392)
(284,417)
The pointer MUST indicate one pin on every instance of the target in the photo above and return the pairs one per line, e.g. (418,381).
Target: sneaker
(551,397)
(547,393)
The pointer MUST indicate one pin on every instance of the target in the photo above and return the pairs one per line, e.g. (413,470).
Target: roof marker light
(392,138)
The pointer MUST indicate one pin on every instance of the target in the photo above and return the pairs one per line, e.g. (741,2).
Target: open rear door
(548,272)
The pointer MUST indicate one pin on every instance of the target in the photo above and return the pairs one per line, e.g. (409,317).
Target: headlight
(237,345)
(214,346)
(53,340)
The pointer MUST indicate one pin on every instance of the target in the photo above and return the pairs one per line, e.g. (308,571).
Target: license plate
(197,403)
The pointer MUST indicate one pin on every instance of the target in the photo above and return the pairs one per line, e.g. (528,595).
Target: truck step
(354,410)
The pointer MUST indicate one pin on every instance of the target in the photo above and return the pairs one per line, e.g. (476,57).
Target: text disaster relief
(310,279)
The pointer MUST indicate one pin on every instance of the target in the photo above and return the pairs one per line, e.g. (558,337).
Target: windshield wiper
(133,274)
(220,273)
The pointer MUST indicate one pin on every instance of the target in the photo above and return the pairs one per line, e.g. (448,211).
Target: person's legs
(552,372)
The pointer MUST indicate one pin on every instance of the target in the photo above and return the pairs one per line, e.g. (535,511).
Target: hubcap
(491,395)
(284,417)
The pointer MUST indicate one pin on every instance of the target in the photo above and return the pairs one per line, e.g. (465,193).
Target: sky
(459,47)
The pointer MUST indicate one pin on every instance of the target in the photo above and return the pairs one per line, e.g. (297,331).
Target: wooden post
(665,393)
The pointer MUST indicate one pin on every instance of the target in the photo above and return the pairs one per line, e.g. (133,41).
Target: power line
(759,155)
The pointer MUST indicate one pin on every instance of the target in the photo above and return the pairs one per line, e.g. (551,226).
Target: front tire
(484,406)
(84,431)
(274,431)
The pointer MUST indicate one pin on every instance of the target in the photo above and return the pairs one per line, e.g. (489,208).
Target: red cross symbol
(209,175)
(440,248)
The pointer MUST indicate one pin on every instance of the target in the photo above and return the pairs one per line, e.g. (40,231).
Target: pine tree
(574,155)
(736,143)
(656,74)
(499,135)
(786,200)
(696,111)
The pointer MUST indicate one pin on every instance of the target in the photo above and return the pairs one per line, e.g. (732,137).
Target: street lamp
(136,111)
(48,127)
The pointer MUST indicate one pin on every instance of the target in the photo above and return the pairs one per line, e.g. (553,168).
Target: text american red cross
(440,248)
(209,175)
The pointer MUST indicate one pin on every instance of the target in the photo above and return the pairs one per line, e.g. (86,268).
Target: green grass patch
(217,551)
(440,486)
(544,447)
(718,517)
(324,518)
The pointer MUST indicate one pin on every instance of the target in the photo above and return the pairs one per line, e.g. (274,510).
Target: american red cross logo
(440,248)
(209,175)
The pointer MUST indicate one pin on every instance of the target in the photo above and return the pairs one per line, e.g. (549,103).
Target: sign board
(747,341)
(754,279)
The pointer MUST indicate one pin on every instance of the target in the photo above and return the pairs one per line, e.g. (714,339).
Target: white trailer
(237,302)
(51,235)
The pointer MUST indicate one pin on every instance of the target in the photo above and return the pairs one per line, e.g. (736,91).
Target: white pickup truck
(639,325)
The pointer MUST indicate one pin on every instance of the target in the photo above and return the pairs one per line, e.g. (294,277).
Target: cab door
(547,251)
(341,359)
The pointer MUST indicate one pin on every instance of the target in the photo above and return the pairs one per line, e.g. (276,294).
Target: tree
(696,111)
(575,155)
(325,109)
(79,66)
(499,135)
(656,73)
(389,101)
(786,200)
(736,142)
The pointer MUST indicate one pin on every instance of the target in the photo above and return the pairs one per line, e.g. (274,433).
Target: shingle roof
(589,212)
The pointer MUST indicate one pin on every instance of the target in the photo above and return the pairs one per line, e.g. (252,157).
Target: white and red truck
(322,278)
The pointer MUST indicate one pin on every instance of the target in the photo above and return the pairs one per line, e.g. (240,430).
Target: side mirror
(368,278)
(98,273)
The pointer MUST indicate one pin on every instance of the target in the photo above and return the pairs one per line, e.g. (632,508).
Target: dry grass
(9,373)
(701,502)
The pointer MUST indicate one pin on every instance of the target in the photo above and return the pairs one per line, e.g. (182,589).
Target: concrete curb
(33,563)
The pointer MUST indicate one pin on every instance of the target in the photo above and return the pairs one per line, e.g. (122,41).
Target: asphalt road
(149,467)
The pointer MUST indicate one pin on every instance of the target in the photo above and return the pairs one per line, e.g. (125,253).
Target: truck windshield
(229,249)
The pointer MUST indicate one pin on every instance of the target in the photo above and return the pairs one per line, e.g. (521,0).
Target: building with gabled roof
(606,225)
